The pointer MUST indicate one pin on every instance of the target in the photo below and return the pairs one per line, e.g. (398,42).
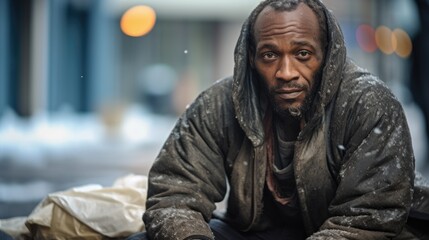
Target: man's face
(288,56)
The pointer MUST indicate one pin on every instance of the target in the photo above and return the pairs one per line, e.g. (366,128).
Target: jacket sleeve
(375,180)
(188,176)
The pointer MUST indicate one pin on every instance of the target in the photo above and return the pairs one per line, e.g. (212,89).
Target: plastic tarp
(90,212)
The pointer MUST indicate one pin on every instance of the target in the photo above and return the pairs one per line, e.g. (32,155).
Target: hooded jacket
(353,162)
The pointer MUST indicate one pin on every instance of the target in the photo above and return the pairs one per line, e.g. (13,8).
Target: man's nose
(287,70)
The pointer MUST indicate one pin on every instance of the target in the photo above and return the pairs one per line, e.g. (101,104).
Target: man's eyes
(269,55)
(303,54)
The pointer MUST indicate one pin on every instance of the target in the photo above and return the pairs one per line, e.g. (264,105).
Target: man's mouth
(288,94)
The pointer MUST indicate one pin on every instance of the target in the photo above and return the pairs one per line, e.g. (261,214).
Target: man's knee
(220,229)
(138,236)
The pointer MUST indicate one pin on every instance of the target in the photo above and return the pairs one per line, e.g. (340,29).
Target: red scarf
(272,181)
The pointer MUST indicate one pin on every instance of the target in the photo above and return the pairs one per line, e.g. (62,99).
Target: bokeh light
(138,21)
(404,45)
(385,39)
(365,36)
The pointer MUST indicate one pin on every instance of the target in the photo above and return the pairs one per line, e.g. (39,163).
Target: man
(307,144)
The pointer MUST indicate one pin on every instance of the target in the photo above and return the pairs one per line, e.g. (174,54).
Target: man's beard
(298,111)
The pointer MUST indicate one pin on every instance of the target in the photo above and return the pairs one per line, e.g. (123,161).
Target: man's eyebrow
(302,43)
(268,46)
(296,43)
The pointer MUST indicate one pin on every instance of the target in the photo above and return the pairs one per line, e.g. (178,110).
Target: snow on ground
(53,153)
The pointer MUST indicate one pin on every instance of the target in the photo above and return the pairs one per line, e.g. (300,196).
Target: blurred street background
(90,89)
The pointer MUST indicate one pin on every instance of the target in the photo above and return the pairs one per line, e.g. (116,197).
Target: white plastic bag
(91,212)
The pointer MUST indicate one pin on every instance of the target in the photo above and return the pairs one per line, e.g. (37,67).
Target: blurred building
(70,78)
(72,53)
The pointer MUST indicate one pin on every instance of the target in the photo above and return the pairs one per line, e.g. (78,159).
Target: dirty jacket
(353,160)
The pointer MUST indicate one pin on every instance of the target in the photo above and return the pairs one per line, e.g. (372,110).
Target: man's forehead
(302,14)
(301,9)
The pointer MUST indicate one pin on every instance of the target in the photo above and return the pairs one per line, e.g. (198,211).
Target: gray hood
(245,84)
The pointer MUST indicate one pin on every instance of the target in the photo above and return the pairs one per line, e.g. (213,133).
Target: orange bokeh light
(138,21)
(404,44)
(385,39)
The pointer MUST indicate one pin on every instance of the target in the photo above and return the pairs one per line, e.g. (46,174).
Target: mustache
(289,85)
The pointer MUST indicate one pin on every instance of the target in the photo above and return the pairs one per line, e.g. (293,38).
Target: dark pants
(5,236)
(223,231)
